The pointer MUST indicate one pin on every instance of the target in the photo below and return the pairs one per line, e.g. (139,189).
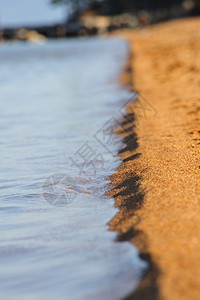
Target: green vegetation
(163,9)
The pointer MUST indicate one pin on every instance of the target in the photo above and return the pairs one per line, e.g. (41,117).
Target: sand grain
(157,186)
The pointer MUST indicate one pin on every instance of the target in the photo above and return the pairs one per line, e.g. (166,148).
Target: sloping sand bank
(157,186)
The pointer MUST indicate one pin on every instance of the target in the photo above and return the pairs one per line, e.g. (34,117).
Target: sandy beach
(157,186)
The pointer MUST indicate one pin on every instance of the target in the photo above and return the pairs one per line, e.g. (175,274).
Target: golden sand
(157,186)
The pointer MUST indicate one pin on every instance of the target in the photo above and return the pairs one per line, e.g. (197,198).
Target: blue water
(58,104)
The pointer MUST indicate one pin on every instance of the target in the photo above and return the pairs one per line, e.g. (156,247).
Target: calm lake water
(58,104)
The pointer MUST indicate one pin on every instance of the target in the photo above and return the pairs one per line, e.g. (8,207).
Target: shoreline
(156,188)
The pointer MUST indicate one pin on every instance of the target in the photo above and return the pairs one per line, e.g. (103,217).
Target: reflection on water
(55,99)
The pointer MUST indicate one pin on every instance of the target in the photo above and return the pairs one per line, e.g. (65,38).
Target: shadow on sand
(129,198)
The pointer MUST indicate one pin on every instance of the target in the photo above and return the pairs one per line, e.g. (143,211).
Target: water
(56,153)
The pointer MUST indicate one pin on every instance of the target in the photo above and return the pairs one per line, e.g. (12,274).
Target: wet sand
(157,185)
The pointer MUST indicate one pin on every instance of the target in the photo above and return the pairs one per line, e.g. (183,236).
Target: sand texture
(157,186)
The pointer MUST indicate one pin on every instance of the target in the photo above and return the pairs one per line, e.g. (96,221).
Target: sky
(29,12)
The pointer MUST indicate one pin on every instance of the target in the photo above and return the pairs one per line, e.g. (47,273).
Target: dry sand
(157,185)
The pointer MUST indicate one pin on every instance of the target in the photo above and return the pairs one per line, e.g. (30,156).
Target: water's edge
(147,287)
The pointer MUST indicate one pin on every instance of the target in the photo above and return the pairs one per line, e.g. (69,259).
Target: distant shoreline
(157,185)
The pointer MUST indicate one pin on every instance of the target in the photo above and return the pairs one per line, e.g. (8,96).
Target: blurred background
(35,20)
